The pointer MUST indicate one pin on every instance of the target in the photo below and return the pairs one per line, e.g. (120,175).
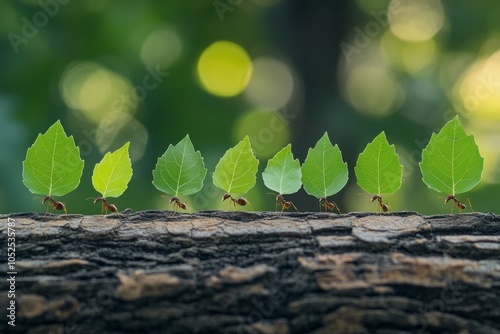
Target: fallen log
(253,272)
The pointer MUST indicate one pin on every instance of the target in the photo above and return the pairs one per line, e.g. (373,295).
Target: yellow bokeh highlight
(477,99)
(372,90)
(106,100)
(224,69)
(413,58)
(478,90)
(98,85)
(268,131)
(416,21)
(487,137)
(94,90)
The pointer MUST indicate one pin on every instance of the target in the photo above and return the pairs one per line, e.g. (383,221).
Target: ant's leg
(470,204)
(294,207)
(250,206)
(452,208)
(65,211)
(231,200)
(47,210)
(378,208)
(172,212)
(336,206)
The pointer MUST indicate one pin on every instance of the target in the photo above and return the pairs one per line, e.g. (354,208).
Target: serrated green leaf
(378,170)
(53,165)
(451,162)
(112,175)
(282,173)
(237,169)
(180,171)
(324,173)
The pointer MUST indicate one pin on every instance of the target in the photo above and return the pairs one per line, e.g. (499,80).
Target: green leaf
(237,169)
(451,162)
(180,171)
(112,175)
(282,173)
(378,170)
(53,165)
(324,173)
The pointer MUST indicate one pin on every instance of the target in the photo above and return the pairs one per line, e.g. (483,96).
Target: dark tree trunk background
(234,272)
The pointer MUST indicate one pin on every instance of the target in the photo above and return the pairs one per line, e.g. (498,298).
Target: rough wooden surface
(233,272)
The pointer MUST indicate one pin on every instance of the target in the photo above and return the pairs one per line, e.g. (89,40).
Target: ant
(285,205)
(384,207)
(459,204)
(323,201)
(242,201)
(176,202)
(59,206)
(105,206)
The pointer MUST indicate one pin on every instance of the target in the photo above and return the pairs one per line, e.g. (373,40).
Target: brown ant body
(459,204)
(384,207)
(242,201)
(285,205)
(59,206)
(105,205)
(176,202)
(323,201)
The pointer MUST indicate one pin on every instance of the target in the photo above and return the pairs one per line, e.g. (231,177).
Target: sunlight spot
(224,69)
(268,131)
(93,90)
(271,85)
(372,90)
(478,90)
(416,21)
(412,58)
(162,47)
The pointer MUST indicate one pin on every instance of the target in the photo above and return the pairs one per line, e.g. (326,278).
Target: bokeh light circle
(224,69)
(162,47)
(416,21)
(414,58)
(118,128)
(271,85)
(268,131)
(372,90)
(478,90)
(95,90)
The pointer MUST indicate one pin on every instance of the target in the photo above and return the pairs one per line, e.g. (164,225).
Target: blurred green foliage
(117,71)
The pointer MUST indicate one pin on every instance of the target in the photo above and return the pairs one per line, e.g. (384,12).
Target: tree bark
(242,272)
